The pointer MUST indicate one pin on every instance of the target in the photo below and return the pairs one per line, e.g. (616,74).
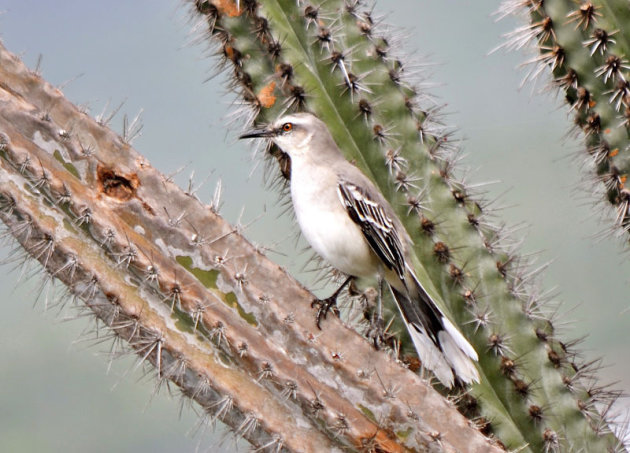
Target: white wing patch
(431,356)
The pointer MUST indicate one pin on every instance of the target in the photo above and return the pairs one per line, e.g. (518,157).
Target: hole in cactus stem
(121,187)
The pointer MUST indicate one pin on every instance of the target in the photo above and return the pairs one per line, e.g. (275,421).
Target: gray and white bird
(348,222)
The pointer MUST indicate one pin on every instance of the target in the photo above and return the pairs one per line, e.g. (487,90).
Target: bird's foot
(376,331)
(323,307)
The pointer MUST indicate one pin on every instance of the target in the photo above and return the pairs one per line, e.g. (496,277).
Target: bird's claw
(376,331)
(323,307)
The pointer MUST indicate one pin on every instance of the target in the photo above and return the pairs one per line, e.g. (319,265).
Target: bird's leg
(324,305)
(379,306)
(376,331)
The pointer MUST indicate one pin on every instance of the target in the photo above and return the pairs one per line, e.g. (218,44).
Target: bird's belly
(335,237)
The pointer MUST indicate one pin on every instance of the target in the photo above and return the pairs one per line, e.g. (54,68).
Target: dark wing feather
(423,317)
(377,227)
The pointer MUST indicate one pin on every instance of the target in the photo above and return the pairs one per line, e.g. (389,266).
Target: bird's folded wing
(378,228)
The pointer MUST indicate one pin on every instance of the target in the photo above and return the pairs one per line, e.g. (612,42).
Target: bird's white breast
(325,223)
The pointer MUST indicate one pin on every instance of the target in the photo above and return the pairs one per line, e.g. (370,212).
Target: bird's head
(292,133)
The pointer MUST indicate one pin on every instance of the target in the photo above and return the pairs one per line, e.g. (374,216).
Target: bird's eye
(287,127)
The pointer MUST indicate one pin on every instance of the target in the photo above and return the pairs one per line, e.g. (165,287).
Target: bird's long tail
(440,345)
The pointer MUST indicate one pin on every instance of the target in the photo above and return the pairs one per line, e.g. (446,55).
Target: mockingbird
(348,222)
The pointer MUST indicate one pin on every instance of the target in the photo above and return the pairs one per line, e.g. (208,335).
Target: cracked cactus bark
(188,294)
(333,59)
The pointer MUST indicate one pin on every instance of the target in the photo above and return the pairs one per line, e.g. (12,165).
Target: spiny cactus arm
(225,393)
(332,58)
(133,313)
(586,46)
(200,281)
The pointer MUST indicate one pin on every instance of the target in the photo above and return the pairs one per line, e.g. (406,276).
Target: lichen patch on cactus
(368,413)
(67,165)
(208,278)
(231,300)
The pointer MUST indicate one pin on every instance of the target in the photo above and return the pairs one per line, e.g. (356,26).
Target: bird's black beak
(259,133)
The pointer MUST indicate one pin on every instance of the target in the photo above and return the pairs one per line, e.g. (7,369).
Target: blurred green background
(56,393)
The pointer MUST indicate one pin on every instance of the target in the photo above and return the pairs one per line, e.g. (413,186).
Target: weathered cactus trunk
(332,58)
(191,296)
